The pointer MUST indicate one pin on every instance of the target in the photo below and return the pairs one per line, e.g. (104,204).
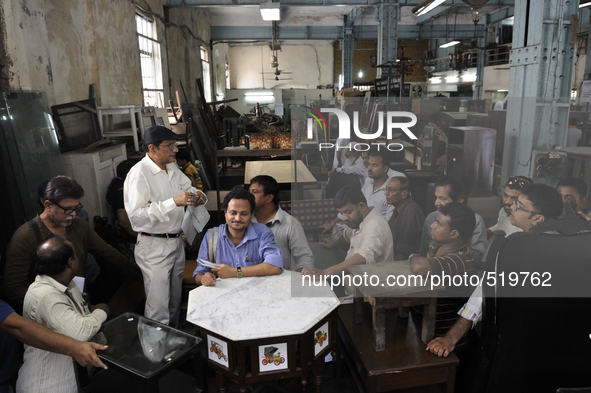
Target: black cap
(156,134)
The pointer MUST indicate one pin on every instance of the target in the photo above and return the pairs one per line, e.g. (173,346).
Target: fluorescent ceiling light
(469,77)
(271,11)
(452,79)
(502,91)
(585,4)
(260,94)
(448,44)
(426,6)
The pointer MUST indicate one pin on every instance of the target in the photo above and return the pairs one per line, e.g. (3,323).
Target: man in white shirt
(378,174)
(155,193)
(54,301)
(510,194)
(368,234)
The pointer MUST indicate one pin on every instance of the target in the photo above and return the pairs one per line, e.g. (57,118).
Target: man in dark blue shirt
(240,248)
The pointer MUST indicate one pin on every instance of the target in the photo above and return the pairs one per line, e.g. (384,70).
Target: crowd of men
(378,221)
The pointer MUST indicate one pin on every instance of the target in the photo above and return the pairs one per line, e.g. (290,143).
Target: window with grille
(151,61)
(206,75)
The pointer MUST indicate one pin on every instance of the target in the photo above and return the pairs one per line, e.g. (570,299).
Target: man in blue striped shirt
(242,249)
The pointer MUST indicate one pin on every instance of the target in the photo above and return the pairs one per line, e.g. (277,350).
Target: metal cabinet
(471,157)
(94,171)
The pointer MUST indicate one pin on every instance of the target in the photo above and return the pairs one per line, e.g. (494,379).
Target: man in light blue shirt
(242,248)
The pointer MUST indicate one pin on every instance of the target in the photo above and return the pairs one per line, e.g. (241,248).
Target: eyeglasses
(517,207)
(522,181)
(393,190)
(170,146)
(70,210)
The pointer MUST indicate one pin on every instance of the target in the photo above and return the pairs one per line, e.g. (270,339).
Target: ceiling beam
(286,33)
(497,16)
(211,3)
(352,15)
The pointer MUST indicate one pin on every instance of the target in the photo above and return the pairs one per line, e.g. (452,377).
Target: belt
(166,235)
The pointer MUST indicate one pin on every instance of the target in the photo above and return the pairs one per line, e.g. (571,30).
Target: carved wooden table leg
(428,329)
(318,383)
(220,381)
(358,306)
(304,382)
(379,327)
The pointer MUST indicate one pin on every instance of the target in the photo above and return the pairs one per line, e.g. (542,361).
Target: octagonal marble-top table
(251,326)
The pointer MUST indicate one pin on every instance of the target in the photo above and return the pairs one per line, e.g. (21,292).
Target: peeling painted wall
(184,56)
(305,66)
(63,46)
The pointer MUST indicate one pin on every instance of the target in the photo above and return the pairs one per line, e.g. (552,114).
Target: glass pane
(32,143)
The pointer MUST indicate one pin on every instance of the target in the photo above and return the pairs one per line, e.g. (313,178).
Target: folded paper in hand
(194,221)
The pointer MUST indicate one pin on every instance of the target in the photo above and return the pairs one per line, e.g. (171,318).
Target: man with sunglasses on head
(510,194)
(536,204)
(155,194)
(61,204)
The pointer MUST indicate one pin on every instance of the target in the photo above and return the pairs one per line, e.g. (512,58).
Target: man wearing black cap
(155,194)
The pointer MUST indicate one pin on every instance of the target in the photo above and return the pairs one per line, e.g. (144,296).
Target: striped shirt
(449,301)
(63,310)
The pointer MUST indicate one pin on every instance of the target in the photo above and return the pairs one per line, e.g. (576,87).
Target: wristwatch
(239,272)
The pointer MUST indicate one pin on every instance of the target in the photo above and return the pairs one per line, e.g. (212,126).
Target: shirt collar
(50,280)
(435,246)
(279,216)
(371,216)
(250,234)
(155,168)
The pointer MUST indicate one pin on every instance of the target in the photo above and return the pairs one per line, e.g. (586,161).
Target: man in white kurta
(155,194)
(53,300)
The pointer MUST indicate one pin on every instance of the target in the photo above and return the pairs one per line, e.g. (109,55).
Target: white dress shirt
(504,224)
(63,310)
(373,240)
(148,194)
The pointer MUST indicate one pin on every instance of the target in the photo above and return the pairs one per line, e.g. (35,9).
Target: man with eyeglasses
(61,203)
(536,204)
(510,194)
(406,221)
(155,194)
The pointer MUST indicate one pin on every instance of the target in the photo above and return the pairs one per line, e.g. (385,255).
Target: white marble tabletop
(259,307)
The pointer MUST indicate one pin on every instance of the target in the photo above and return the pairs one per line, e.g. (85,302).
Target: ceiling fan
(275,46)
(277,74)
